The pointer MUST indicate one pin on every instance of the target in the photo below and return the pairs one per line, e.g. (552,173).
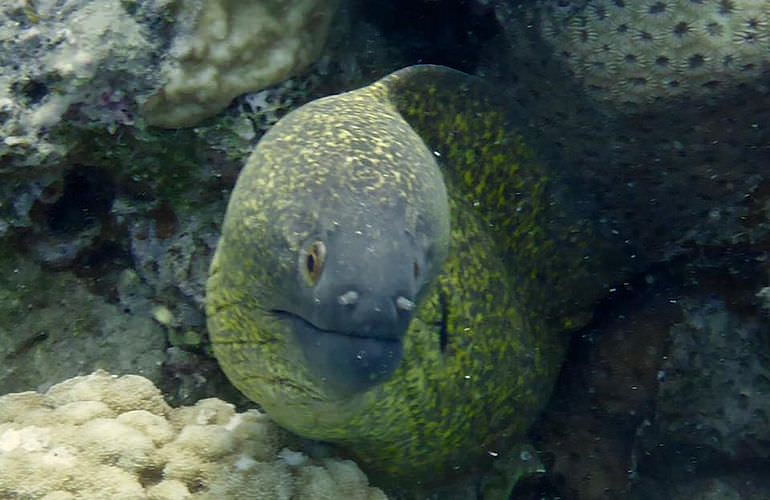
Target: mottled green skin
(523,268)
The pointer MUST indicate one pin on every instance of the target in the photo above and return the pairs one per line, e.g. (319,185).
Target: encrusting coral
(102,436)
(695,149)
(236,47)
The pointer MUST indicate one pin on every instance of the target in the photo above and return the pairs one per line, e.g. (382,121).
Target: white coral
(102,436)
(237,46)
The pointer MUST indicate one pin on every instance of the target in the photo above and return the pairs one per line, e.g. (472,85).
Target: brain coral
(642,51)
(102,436)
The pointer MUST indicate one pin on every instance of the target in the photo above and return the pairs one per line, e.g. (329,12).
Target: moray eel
(397,274)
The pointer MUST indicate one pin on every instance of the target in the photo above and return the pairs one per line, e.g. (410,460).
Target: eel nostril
(348,298)
(404,304)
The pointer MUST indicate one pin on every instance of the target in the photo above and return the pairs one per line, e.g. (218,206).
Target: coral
(265,107)
(670,174)
(234,48)
(65,59)
(176,257)
(95,63)
(654,50)
(75,74)
(100,436)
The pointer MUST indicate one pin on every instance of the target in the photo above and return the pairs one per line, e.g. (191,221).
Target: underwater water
(522,254)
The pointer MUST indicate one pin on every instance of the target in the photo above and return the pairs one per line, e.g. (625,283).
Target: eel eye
(313,262)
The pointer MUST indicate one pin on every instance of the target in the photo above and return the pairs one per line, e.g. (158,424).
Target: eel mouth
(344,363)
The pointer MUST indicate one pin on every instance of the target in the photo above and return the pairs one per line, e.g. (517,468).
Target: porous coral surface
(639,52)
(103,436)
(668,171)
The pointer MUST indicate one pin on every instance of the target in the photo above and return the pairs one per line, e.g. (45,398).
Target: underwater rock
(174,260)
(607,388)
(53,327)
(714,400)
(101,435)
(90,58)
(75,75)
(664,396)
(99,61)
(670,177)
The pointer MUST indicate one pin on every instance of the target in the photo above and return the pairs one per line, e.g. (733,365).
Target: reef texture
(677,172)
(81,59)
(650,51)
(52,327)
(103,436)
(707,436)
(714,398)
(98,62)
(76,75)
(665,396)
(605,392)
(116,220)
(236,47)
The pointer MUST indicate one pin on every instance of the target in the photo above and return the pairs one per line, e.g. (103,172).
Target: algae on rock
(52,327)
(715,395)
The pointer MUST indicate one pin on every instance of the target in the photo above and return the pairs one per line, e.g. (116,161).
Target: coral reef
(75,75)
(81,59)
(96,63)
(658,108)
(642,52)
(667,177)
(100,436)
(606,390)
(666,394)
(236,47)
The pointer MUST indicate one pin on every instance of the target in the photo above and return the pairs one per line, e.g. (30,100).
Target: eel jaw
(345,364)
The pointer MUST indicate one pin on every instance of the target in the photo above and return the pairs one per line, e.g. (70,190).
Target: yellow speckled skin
(523,268)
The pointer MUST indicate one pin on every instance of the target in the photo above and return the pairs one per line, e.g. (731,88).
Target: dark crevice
(87,198)
(443,338)
(31,91)
(76,230)
(449,33)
